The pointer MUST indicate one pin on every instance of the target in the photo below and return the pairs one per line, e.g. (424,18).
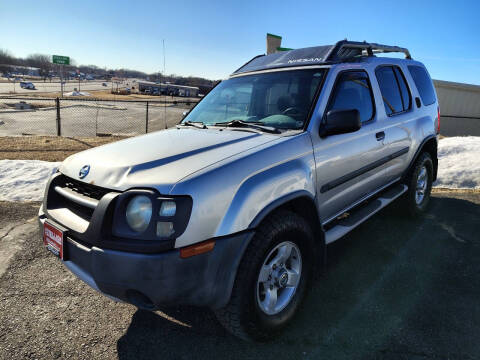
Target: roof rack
(342,51)
(347,49)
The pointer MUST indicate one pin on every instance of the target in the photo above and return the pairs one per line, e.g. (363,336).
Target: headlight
(148,216)
(139,213)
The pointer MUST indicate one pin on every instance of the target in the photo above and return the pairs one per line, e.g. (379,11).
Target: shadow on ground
(394,288)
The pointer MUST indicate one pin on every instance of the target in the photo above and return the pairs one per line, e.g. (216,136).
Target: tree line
(44,64)
(40,61)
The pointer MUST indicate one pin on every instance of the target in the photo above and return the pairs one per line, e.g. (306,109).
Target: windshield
(281,100)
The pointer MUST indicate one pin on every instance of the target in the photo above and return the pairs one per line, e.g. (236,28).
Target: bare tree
(6,58)
(40,61)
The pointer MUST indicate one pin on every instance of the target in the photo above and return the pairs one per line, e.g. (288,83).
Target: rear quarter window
(423,82)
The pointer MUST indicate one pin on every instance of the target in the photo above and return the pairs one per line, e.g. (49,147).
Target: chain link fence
(87,117)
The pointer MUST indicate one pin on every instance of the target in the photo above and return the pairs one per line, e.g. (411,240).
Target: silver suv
(233,208)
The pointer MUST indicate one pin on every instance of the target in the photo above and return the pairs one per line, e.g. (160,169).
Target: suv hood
(159,159)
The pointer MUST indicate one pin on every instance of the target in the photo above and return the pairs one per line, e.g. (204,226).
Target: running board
(362,213)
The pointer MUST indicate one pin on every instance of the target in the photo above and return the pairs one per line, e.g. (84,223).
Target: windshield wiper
(197,124)
(248,124)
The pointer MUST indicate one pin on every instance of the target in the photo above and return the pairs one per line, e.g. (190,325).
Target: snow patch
(459,163)
(24,180)
(78,93)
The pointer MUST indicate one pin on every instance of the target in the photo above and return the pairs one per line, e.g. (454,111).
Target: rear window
(395,94)
(390,90)
(402,83)
(424,84)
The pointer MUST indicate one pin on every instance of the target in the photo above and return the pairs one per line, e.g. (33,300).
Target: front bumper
(152,280)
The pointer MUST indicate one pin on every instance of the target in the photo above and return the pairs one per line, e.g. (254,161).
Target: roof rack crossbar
(340,50)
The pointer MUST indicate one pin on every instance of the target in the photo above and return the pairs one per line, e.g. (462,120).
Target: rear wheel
(419,184)
(272,278)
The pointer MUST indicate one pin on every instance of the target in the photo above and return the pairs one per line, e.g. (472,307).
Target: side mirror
(341,122)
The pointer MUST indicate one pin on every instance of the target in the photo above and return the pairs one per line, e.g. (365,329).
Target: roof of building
(456,85)
(342,51)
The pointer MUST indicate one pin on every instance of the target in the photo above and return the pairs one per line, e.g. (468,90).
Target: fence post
(146,120)
(59,127)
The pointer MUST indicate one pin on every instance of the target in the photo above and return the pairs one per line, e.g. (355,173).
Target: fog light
(164,229)
(168,208)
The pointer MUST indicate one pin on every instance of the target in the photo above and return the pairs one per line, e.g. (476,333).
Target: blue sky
(213,38)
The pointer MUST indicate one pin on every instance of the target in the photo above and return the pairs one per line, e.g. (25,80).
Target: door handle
(380,136)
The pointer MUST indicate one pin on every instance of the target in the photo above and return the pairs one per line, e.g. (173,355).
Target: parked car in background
(27,85)
(235,207)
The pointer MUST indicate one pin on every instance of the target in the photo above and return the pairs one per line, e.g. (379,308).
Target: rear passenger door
(397,116)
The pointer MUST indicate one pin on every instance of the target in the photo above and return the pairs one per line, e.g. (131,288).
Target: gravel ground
(394,289)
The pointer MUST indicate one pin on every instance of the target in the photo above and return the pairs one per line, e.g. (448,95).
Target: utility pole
(165,97)
(61,80)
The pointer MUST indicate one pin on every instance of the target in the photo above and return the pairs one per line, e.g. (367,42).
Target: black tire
(412,207)
(242,316)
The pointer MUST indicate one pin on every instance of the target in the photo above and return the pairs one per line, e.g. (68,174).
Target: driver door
(348,165)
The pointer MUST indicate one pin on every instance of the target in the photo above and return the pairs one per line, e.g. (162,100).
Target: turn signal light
(197,249)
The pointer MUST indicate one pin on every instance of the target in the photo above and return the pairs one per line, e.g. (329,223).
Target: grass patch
(48,148)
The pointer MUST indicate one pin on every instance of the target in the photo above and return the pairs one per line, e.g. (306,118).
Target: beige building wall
(459,108)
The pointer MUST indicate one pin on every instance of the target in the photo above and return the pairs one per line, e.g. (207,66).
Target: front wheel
(272,279)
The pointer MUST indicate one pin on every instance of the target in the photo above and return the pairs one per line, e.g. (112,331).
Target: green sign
(63,60)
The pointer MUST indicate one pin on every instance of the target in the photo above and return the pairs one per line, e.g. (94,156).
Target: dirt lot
(394,289)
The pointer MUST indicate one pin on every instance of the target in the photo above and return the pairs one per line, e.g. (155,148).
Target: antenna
(165,96)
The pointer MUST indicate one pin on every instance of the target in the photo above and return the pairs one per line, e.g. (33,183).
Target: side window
(353,91)
(392,98)
(406,96)
(423,83)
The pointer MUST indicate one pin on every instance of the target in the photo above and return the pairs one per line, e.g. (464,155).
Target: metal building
(168,89)
(459,108)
